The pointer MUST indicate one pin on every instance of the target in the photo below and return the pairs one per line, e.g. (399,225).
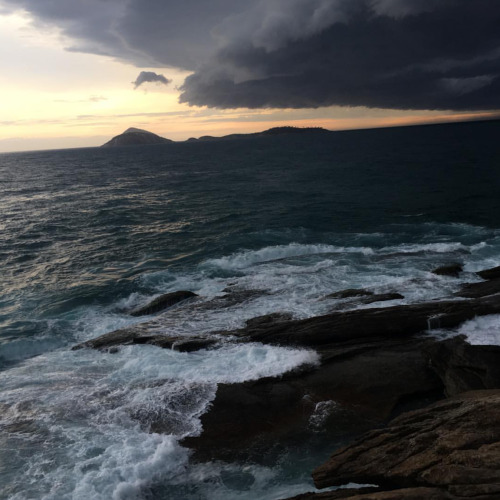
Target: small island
(135,137)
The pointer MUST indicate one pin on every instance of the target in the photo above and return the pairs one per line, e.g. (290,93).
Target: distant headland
(136,136)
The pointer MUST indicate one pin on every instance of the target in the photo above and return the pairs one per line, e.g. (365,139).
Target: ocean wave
(95,410)
(483,330)
(247,258)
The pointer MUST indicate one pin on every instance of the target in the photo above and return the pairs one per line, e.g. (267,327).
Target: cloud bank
(150,77)
(399,54)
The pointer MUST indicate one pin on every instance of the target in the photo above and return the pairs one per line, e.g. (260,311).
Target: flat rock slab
(130,336)
(397,322)
(163,302)
(489,274)
(452,446)
(373,494)
(481,289)
(379,297)
(349,293)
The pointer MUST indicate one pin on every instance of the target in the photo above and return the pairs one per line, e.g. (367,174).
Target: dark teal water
(88,234)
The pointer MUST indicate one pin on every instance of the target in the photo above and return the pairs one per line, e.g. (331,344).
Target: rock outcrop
(163,302)
(133,336)
(489,274)
(464,367)
(481,289)
(449,450)
(449,270)
(359,385)
(394,322)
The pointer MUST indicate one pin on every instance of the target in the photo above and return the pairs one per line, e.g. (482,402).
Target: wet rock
(349,293)
(490,274)
(464,367)
(373,494)
(449,270)
(358,386)
(481,289)
(163,302)
(451,447)
(133,336)
(396,322)
(234,296)
(268,319)
(380,297)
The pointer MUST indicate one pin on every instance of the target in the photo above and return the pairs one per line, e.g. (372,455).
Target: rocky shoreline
(416,416)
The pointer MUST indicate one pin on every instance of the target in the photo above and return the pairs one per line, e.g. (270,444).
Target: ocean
(88,235)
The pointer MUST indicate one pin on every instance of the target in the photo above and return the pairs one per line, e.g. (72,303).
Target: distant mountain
(271,131)
(134,137)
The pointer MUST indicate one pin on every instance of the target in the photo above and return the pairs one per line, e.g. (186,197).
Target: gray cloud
(385,54)
(150,77)
(400,54)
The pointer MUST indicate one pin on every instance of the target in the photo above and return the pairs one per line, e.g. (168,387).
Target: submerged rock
(163,302)
(350,292)
(380,297)
(449,270)
(452,447)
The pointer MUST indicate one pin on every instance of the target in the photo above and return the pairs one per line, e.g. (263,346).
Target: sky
(78,72)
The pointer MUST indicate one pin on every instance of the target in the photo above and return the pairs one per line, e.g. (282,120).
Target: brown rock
(373,494)
(452,446)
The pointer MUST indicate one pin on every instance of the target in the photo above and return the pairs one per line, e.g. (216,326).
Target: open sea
(87,235)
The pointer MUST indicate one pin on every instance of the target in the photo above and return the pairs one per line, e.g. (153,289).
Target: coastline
(375,365)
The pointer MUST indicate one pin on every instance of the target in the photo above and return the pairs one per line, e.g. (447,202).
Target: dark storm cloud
(150,77)
(403,54)
(385,54)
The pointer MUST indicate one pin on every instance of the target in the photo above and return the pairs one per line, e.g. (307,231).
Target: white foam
(95,410)
(447,247)
(244,259)
(483,330)
(230,364)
